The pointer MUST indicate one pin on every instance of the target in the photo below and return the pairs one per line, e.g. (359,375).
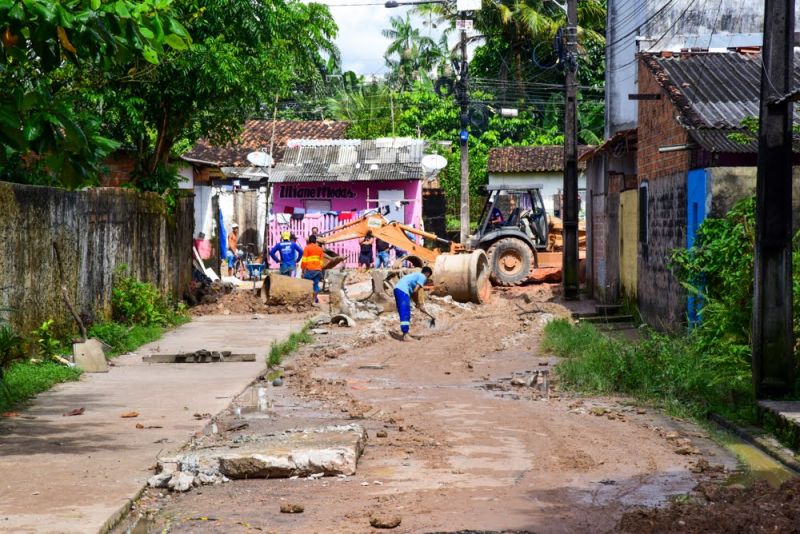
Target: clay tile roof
(257,135)
(546,158)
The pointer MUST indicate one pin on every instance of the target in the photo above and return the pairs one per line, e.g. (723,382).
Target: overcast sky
(360,40)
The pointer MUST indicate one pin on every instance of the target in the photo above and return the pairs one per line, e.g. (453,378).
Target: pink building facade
(300,206)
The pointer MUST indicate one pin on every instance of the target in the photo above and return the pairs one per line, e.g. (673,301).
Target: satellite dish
(259,159)
(433,163)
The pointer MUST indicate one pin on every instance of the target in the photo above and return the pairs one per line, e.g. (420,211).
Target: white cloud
(360,41)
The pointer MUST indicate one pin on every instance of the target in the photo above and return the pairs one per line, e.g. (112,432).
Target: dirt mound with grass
(760,508)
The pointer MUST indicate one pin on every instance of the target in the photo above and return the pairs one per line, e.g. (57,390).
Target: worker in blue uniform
(290,253)
(404,291)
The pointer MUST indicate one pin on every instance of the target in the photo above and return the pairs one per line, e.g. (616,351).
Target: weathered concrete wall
(730,184)
(628,237)
(97,230)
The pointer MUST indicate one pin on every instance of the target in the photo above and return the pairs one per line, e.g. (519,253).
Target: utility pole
(569,271)
(463,101)
(773,359)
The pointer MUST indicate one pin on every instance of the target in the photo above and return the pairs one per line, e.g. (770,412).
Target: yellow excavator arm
(391,232)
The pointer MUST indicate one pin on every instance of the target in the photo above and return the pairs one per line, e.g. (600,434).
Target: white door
(391,197)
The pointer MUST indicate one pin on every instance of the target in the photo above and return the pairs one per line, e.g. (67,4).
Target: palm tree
(366,107)
(410,55)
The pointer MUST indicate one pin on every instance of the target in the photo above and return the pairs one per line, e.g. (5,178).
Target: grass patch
(122,338)
(24,380)
(279,349)
(661,369)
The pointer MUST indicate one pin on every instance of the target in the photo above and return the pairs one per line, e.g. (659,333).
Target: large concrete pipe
(464,276)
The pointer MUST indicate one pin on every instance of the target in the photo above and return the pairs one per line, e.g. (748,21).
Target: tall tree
(51,53)
(410,55)
(244,55)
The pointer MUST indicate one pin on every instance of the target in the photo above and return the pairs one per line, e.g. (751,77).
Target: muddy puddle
(755,464)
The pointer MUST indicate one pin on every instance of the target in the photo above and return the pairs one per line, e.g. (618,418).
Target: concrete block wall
(96,230)
(661,298)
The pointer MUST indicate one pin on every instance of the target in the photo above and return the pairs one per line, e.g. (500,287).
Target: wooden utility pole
(569,272)
(463,101)
(773,358)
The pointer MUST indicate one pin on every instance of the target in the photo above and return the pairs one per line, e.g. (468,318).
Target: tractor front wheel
(510,261)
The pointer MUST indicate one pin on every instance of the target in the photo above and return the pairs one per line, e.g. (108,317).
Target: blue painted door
(697,196)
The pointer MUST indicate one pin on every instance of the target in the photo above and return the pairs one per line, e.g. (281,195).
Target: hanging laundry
(283,218)
(288,209)
(346,215)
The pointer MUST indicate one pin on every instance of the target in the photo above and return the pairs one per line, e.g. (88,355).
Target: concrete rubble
(326,451)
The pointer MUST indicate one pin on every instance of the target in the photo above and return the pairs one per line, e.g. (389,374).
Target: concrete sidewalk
(73,474)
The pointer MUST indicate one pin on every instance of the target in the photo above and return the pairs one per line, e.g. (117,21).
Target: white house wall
(552,183)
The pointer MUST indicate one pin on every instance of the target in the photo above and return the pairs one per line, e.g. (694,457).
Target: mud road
(457,440)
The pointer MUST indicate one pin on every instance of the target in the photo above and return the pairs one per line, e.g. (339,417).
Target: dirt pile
(760,508)
(243,302)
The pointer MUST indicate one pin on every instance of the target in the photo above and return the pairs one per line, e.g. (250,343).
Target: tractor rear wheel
(510,261)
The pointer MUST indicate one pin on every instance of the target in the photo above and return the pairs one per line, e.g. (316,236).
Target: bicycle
(244,256)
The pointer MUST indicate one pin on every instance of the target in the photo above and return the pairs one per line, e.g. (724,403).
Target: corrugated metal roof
(324,161)
(713,93)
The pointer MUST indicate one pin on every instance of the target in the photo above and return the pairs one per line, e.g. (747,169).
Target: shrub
(47,344)
(137,302)
(122,338)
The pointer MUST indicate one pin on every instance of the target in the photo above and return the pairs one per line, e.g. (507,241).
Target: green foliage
(663,369)
(10,350)
(244,54)
(24,380)
(411,56)
(718,270)
(124,338)
(137,302)
(48,346)
(708,370)
(52,52)
(279,349)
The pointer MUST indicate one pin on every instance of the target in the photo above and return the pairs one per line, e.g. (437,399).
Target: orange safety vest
(312,258)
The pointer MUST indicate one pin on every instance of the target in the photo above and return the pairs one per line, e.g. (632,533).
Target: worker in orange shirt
(312,262)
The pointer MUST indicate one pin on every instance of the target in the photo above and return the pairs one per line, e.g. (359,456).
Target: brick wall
(658,128)
(661,298)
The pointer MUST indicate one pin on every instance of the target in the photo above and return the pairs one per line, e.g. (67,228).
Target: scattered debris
(343,320)
(200,356)
(292,508)
(128,415)
(385,521)
(75,411)
(381,434)
(278,382)
(331,450)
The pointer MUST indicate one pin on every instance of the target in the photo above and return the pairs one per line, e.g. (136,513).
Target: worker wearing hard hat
(289,251)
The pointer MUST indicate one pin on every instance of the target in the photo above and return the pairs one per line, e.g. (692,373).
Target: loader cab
(510,210)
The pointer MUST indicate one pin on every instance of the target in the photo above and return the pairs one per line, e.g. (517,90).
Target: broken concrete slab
(330,450)
(200,356)
(89,356)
